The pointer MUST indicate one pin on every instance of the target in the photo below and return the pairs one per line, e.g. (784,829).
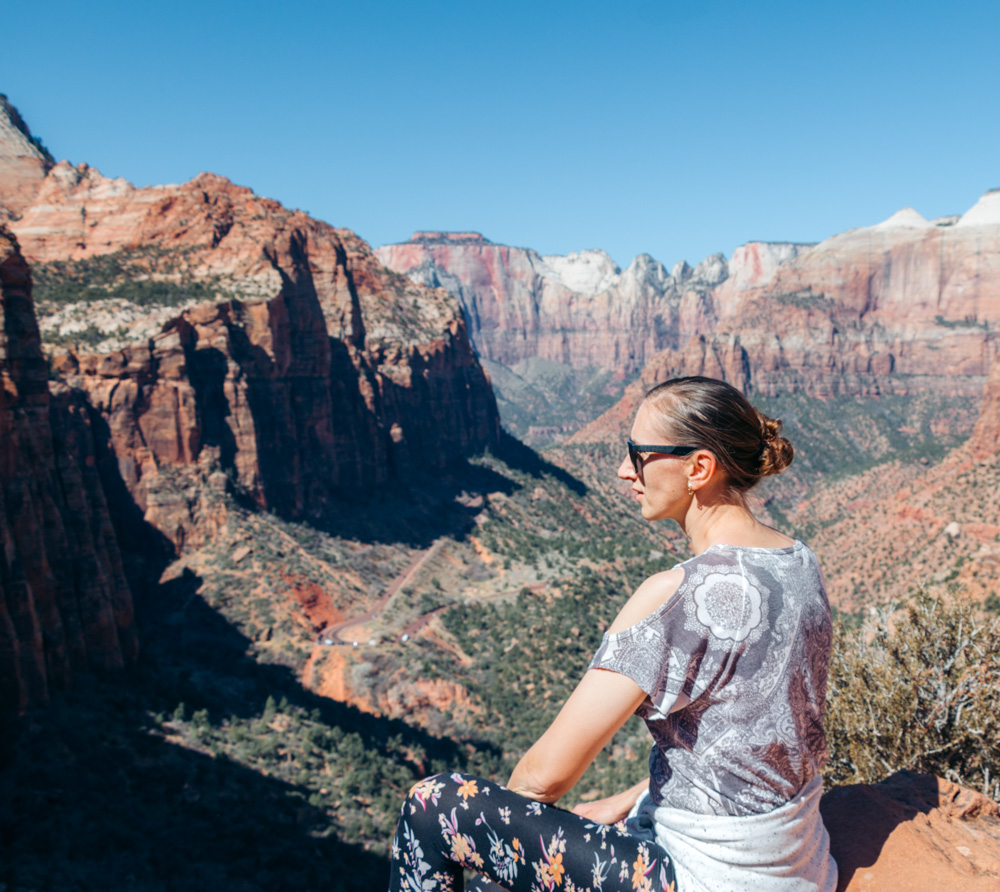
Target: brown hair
(713,415)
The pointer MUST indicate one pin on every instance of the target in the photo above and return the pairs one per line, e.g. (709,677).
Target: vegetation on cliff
(917,688)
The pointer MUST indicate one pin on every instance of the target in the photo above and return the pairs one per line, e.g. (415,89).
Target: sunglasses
(636,450)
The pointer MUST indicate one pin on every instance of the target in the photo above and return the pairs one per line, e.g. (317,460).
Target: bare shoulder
(652,594)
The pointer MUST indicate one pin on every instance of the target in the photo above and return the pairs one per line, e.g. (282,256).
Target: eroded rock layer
(309,373)
(581,310)
(64,601)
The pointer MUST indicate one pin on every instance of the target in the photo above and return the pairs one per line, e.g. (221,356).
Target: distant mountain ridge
(872,310)
(582,309)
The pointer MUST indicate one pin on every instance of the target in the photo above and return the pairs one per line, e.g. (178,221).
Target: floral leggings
(456,821)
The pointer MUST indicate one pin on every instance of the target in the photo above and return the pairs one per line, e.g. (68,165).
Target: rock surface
(913,831)
(262,350)
(581,310)
(24,162)
(312,374)
(902,307)
(64,601)
(985,442)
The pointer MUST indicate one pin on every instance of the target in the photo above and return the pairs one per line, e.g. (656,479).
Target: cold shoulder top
(734,665)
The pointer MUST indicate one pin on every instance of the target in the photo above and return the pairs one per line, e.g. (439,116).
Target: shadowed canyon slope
(64,601)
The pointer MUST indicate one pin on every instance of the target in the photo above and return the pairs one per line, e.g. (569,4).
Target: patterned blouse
(734,666)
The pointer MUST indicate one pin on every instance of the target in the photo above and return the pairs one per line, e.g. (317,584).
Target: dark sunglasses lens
(633,455)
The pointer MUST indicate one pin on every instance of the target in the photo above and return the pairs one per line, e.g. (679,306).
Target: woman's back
(739,654)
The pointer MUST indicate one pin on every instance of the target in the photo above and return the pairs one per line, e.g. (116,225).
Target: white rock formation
(586,272)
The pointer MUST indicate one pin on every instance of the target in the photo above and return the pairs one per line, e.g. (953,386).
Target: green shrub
(918,689)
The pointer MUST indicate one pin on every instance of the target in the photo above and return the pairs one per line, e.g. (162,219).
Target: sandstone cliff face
(906,307)
(868,311)
(985,442)
(24,162)
(581,310)
(311,374)
(64,602)
(903,307)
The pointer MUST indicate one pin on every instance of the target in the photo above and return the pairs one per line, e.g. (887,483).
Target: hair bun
(777,452)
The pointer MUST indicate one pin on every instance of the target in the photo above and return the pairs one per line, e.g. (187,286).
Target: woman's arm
(599,706)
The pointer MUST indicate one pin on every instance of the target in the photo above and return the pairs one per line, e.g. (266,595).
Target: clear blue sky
(677,129)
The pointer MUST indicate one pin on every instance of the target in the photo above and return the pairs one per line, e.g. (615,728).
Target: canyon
(216,342)
(248,426)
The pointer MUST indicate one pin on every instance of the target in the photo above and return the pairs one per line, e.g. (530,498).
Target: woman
(725,658)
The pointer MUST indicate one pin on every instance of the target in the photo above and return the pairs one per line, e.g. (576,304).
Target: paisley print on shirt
(746,639)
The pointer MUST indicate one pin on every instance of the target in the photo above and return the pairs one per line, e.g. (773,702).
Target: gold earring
(690,491)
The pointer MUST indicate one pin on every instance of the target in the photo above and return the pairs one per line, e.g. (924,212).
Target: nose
(625,470)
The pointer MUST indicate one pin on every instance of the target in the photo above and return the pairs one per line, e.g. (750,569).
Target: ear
(701,468)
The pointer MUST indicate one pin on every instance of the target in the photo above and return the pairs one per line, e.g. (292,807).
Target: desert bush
(918,688)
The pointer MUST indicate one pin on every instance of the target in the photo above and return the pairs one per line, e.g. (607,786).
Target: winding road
(335,632)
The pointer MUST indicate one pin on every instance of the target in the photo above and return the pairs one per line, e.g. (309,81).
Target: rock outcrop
(24,162)
(310,374)
(64,601)
(913,831)
(985,442)
(581,310)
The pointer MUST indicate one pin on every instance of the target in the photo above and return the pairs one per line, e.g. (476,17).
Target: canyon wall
(197,339)
(64,601)
(902,307)
(581,310)
(310,374)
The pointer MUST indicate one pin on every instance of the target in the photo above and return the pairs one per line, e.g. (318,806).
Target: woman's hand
(613,808)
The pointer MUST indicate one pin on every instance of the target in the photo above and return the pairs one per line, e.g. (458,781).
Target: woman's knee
(436,795)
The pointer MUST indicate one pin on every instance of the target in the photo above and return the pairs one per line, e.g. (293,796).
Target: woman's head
(713,415)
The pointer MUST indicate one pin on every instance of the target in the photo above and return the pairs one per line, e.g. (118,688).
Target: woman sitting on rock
(725,658)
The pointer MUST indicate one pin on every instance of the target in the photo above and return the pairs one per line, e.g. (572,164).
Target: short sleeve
(619,653)
(683,647)
(645,654)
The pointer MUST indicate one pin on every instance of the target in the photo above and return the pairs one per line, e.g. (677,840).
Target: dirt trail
(404,578)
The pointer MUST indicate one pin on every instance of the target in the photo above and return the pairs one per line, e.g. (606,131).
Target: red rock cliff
(312,373)
(581,310)
(64,602)
(24,162)
(905,307)
(900,307)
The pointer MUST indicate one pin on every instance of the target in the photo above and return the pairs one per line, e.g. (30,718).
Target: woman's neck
(728,524)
